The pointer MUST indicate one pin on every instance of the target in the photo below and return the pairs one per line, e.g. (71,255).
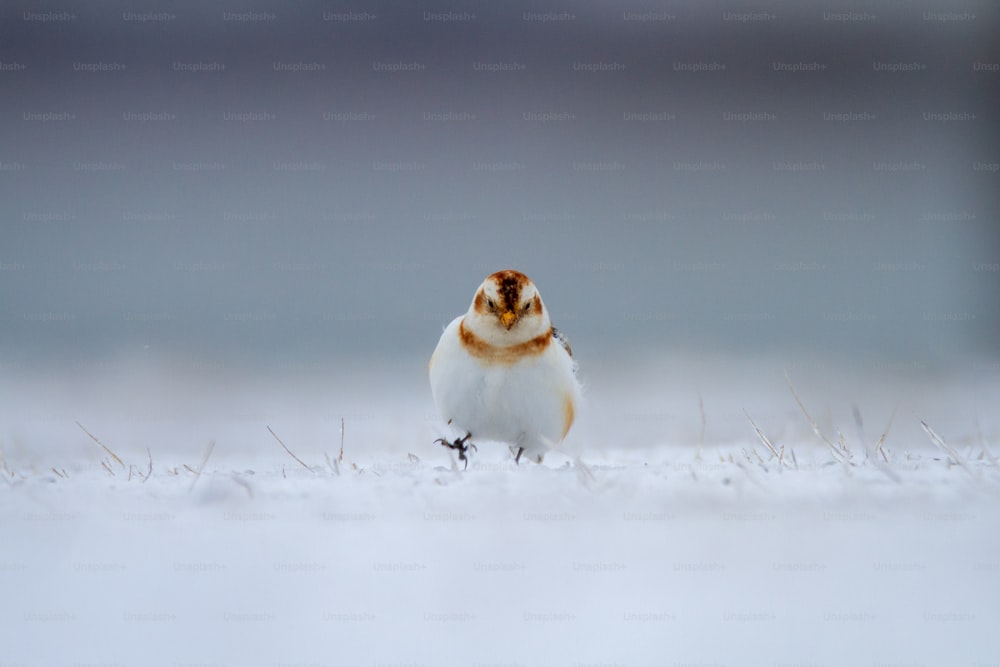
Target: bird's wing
(562,341)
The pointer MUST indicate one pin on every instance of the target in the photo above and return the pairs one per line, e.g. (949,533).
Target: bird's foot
(517,457)
(462,445)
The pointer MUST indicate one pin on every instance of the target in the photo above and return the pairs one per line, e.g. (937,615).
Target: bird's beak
(507,318)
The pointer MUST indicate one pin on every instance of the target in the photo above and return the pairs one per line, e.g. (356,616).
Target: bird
(501,372)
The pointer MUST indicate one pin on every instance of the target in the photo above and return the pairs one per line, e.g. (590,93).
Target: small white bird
(502,372)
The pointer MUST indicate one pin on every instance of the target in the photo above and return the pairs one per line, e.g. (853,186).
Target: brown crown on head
(509,285)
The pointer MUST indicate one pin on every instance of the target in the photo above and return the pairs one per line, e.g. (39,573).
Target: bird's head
(507,309)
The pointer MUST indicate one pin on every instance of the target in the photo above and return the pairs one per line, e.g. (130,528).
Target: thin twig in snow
(103,446)
(301,462)
(764,439)
(873,454)
(842,456)
(877,451)
(334,466)
(860,425)
(8,473)
(946,448)
(983,445)
(881,440)
(340,456)
(201,466)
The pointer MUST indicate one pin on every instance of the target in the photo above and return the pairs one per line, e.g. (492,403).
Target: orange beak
(507,318)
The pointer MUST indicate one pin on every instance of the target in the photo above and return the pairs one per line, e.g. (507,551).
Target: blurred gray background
(292,183)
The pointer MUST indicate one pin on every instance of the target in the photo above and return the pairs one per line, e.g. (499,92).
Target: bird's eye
(489,302)
(527,307)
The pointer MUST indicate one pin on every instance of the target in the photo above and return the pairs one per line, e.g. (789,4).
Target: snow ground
(638,546)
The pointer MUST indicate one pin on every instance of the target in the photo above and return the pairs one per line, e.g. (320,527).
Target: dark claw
(461,446)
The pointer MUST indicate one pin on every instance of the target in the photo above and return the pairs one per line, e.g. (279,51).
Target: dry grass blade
(334,466)
(103,446)
(881,440)
(859,423)
(841,455)
(150,470)
(201,466)
(765,440)
(340,456)
(873,454)
(301,462)
(843,448)
(982,444)
(946,448)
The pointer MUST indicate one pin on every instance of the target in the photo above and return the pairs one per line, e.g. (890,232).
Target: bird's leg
(517,457)
(461,446)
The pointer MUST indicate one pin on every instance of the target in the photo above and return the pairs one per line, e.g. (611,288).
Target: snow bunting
(502,372)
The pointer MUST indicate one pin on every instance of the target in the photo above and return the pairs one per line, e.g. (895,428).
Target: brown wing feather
(562,341)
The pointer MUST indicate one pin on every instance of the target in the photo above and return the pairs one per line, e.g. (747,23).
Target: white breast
(528,404)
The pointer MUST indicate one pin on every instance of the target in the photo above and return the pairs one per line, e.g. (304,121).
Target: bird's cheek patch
(479,305)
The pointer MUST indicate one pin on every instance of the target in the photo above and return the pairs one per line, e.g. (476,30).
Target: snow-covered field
(667,533)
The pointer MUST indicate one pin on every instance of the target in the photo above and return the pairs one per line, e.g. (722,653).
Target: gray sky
(313,180)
